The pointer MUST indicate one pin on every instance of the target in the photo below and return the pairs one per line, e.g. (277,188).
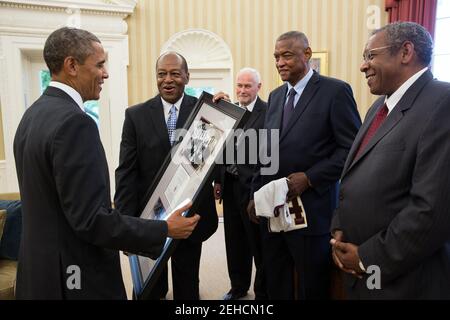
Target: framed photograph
(318,62)
(184,173)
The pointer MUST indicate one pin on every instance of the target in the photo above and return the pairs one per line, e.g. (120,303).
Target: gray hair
(66,42)
(254,72)
(296,35)
(399,32)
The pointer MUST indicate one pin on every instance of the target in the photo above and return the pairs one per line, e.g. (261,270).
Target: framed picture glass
(185,171)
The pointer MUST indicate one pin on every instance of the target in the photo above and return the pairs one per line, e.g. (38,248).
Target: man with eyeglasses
(392,226)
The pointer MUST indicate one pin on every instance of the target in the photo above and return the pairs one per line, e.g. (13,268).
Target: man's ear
(70,66)
(187,78)
(407,52)
(308,53)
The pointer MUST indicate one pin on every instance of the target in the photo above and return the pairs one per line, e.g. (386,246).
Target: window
(197,91)
(441,59)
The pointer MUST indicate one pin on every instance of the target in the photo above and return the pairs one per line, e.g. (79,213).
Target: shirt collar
(70,91)
(392,101)
(167,105)
(250,106)
(300,86)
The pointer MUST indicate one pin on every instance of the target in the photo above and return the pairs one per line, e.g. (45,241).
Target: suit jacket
(316,141)
(394,197)
(67,217)
(144,147)
(247,170)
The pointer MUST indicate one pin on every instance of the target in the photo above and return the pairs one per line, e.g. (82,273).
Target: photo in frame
(318,62)
(184,173)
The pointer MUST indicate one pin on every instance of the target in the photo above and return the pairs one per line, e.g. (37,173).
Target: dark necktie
(288,108)
(379,118)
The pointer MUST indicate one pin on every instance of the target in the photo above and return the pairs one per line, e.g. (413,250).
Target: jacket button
(341,196)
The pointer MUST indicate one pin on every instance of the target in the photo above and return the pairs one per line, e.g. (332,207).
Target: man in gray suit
(392,227)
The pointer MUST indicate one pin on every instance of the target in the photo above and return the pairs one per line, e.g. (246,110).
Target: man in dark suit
(233,185)
(318,120)
(71,236)
(393,218)
(146,143)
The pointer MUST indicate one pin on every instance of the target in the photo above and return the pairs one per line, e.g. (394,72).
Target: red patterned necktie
(379,118)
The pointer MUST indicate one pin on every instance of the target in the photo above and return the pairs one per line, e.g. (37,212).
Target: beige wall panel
(250,28)
(2,143)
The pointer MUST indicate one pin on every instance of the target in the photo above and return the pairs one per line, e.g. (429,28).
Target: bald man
(146,143)
(242,237)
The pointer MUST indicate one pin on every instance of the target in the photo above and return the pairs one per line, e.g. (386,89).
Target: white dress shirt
(392,101)
(250,106)
(70,91)
(299,87)
(167,106)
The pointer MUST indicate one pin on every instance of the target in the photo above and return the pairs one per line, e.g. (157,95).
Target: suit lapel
(276,111)
(185,111)
(305,98)
(159,122)
(396,115)
(256,113)
(391,121)
(361,133)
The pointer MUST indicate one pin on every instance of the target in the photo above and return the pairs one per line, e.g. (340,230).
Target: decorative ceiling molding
(103,17)
(201,48)
(104,7)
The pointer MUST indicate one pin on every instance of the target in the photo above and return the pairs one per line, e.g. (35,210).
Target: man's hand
(297,183)
(217,191)
(337,235)
(221,95)
(180,227)
(252,212)
(345,255)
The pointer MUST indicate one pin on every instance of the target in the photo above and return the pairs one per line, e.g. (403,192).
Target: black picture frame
(183,175)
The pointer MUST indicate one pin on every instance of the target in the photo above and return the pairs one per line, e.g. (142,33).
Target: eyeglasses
(368,55)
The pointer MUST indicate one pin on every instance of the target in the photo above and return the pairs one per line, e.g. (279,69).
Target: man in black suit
(146,143)
(242,236)
(393,219)
(318,120)
(71,236)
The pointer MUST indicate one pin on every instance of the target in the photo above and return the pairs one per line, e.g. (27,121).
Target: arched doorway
(209,59)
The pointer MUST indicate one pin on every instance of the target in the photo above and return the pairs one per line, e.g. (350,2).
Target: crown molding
(37,17)
(105,7)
